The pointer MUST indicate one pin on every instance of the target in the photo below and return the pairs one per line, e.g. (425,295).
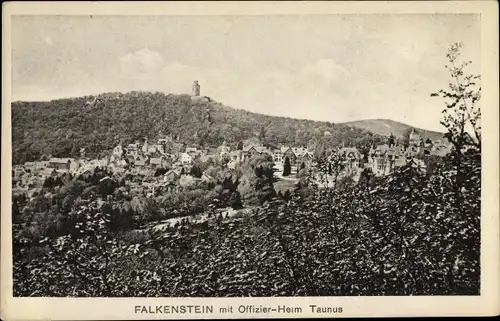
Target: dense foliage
(60,128)
(400,235)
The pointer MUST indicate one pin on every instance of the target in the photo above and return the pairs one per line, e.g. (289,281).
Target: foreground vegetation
(405,234)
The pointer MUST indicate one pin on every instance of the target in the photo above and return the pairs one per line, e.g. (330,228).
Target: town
(179,165)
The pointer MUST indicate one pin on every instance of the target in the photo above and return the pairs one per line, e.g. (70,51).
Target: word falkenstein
(205,309)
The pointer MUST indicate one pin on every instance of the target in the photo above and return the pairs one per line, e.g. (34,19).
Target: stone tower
(196,88)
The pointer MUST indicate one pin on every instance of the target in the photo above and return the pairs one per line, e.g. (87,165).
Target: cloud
(144,62)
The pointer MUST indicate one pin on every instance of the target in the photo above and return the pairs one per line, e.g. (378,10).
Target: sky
(323,67)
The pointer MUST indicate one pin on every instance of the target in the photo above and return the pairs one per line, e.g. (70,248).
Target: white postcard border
(123,308)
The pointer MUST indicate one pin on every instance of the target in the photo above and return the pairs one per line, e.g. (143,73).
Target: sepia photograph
(246,156)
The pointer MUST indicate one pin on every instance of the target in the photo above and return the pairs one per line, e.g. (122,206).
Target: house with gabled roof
(141,162)
(157,162)
(133,149)
(303,155)
(63,164)
(254,149)
(384,159)
(48,172)
(172,175)
(352,157)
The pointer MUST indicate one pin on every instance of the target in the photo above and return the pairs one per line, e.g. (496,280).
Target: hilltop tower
(196,88)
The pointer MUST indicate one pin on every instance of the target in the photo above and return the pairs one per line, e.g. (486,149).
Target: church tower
(196,88)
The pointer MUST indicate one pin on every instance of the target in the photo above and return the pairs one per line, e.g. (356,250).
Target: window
(381,164)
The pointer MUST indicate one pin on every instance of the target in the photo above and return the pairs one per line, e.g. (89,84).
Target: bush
(287,167)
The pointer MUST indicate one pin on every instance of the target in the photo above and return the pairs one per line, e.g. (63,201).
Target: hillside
(62,127)
(385,127)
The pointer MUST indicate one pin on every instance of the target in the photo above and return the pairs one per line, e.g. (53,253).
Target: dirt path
(226,212)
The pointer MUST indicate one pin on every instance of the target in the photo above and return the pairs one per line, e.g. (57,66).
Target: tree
(392,140)
(287,167)
(262,134)
(160,171)
(287,195)
(332,164)
(240,146)
(406,137)
(236,200)
(462,115)
(196,171)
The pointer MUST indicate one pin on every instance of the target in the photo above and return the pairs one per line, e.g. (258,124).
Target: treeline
(62,127)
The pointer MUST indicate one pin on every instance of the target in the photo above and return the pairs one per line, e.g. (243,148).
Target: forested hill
(386,126)
(60,128)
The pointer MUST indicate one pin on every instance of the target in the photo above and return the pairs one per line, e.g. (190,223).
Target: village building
(85,173)
(172,175)
(277,156)
(152,149)
(164,145)
(193,151)
(18,171)
(352,157)
(249,151)
(236,156)
(170,187)
(203,159)
(186,159)
(49,172)
(302,156)
(141,162)
(35,165)
(384,159)
(157,162)
(224,150)
(63,164)
(118,162)
(414,138)
(133,149)
(118,151)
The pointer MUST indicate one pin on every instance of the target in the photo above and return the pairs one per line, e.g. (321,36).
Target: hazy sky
(322,67)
